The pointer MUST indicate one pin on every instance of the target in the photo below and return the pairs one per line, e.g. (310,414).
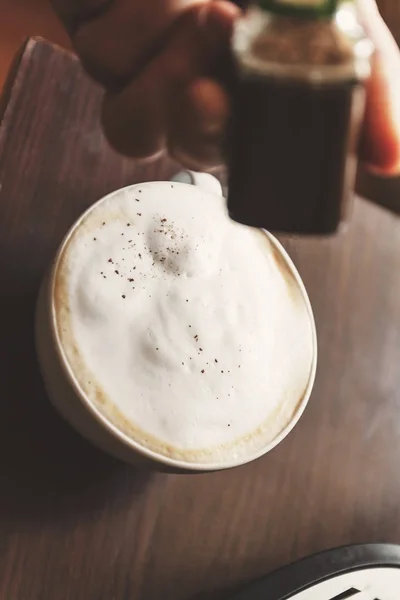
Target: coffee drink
(190,333)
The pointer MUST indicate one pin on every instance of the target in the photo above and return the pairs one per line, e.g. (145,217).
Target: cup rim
(103,421)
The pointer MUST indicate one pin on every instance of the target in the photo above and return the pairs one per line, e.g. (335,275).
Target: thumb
(380,148)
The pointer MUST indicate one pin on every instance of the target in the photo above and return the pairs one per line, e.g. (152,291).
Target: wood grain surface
(77,525)
(390,10)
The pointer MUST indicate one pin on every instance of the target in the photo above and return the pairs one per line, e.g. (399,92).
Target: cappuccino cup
(170,336)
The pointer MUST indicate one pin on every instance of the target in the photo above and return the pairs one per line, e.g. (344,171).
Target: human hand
(161,63)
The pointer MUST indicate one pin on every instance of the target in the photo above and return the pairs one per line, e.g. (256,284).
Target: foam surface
(187,330)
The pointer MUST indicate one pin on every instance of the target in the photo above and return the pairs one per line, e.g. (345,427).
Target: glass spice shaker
(300,68)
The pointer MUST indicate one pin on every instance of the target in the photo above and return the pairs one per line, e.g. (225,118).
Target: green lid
(311,9)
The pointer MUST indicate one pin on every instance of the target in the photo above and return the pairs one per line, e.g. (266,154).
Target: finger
(198,117)
(380,148)
(197,125)
(74,12)
(135,119)
(115,46)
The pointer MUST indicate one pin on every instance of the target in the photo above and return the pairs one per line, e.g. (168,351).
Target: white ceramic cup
(73,405)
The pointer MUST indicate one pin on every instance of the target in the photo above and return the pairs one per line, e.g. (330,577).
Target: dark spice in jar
(298,104)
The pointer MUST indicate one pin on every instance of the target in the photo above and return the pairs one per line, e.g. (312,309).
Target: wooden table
(77,525)
(390,10)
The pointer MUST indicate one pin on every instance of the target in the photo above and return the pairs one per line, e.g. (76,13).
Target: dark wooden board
(390,10)
(77,525)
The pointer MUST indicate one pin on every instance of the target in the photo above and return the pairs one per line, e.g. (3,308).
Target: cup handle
(206,182)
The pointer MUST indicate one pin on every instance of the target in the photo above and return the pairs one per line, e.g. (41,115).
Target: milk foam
(188,331)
